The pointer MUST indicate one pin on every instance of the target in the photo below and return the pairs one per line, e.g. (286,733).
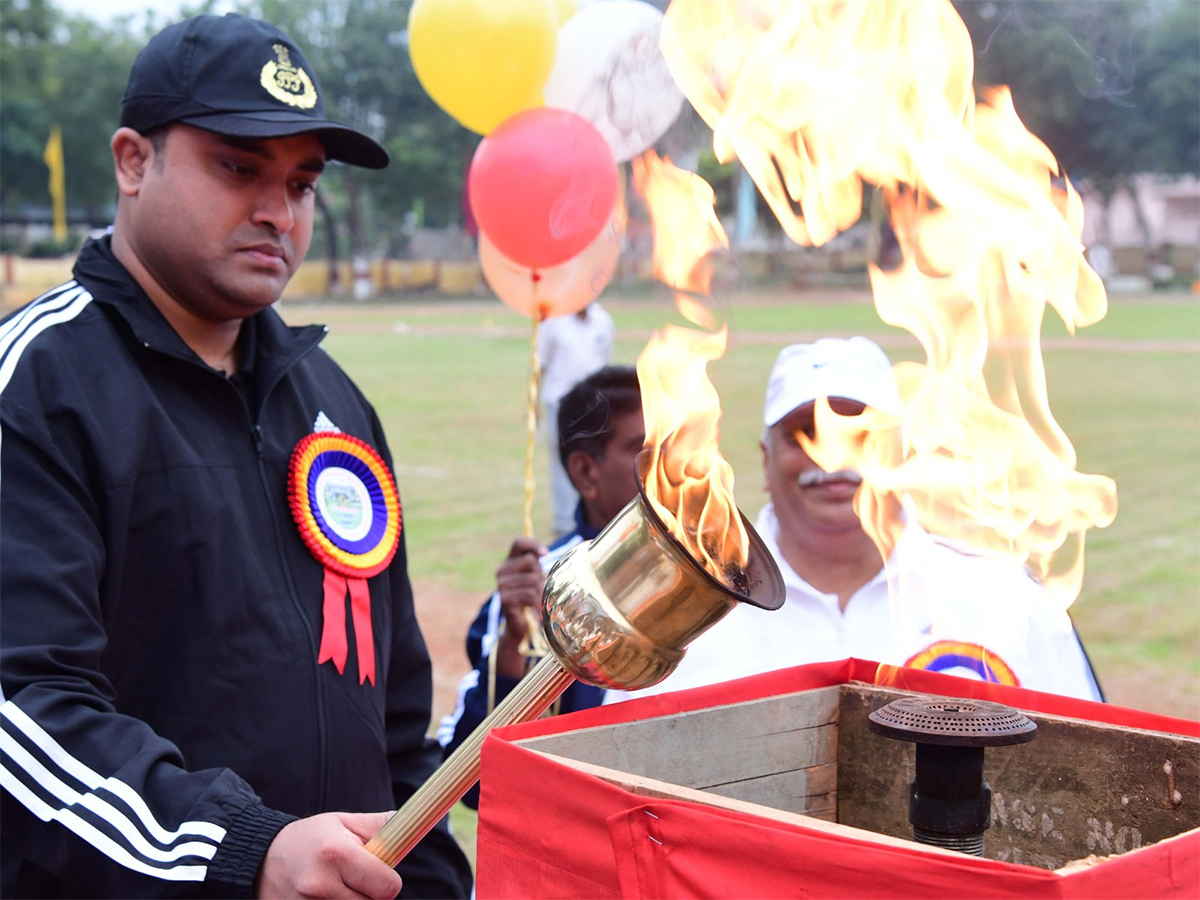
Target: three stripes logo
(105,812)
(37,770)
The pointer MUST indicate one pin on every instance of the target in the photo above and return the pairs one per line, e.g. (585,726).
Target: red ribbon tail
(333,630)
(364,638)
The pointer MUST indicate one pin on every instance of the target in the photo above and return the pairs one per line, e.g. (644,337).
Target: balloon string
(531,410)
(533,646)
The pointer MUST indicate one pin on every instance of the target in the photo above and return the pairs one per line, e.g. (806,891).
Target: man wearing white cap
(934,605)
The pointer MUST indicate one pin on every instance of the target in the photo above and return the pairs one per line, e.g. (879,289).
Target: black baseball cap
(239,77)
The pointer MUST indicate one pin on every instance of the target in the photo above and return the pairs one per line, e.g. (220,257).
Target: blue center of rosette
(379,519)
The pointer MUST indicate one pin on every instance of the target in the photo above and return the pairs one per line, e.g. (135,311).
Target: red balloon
(542,185)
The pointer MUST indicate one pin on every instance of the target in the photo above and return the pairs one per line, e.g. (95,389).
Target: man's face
(223,223)
(615,479)
(804,496)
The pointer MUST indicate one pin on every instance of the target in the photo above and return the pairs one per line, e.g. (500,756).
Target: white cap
(852,368)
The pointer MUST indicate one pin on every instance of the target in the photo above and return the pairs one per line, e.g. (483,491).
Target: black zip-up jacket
(163,714)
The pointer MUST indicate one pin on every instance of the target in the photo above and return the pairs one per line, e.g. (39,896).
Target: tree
(359,49)
(1071,67)
(64,70)
(1111,87)
(25,58)
(72,71)
(1171,73)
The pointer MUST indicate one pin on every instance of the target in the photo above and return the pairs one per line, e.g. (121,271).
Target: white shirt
(949,610)
(570,349)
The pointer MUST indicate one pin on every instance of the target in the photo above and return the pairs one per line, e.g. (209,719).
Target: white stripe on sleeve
(81,772)
(94,836)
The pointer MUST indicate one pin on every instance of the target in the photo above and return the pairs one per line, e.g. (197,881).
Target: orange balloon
(559,290)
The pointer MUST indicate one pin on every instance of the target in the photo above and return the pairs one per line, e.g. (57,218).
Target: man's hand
(519,580)
(324,856)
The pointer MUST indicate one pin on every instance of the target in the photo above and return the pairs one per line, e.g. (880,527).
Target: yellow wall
(21,280)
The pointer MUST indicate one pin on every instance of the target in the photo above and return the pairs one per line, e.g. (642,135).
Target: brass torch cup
(618,612)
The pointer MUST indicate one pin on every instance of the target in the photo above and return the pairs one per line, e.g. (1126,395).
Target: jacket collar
(582,528)
(276,345)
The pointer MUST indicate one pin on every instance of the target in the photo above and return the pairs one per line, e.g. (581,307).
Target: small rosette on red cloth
(345,504)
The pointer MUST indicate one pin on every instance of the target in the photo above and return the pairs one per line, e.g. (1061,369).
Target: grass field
(449,381)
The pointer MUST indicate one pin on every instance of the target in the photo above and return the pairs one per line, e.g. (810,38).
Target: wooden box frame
(1079,789)
(1083,794)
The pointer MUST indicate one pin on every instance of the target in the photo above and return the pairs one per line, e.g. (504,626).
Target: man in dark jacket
(189,492)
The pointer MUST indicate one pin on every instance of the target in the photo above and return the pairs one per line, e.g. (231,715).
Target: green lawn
(449,381)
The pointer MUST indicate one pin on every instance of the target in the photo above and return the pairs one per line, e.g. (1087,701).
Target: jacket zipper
(259,440)
(256,433)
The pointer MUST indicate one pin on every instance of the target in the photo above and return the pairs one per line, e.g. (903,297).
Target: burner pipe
(950,802)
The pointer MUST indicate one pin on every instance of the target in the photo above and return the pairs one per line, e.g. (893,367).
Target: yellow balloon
(565,9)
(483,60)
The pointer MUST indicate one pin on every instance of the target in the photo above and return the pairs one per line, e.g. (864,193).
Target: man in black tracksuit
(189,489)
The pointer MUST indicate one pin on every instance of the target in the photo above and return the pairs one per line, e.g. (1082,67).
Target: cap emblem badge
(288,83)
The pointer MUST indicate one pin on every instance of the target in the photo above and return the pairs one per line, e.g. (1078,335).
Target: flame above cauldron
(820,100)
(688,482)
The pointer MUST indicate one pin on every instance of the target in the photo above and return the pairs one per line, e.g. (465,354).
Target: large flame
(689,483)
(824,98)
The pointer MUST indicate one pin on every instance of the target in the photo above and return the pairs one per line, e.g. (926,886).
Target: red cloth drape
(593,839)
(676,849)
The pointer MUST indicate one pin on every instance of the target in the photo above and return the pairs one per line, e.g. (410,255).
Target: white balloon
(610,70)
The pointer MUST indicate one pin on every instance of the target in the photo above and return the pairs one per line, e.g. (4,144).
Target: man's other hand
(324,856)
(519,580)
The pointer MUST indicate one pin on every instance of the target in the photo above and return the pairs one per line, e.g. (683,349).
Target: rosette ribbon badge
(345,504)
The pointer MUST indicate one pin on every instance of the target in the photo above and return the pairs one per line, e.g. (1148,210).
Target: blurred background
(1111,86)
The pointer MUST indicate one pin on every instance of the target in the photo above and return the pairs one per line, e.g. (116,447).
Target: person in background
(600,433)
(949,608)
(189,490)
(569,349)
